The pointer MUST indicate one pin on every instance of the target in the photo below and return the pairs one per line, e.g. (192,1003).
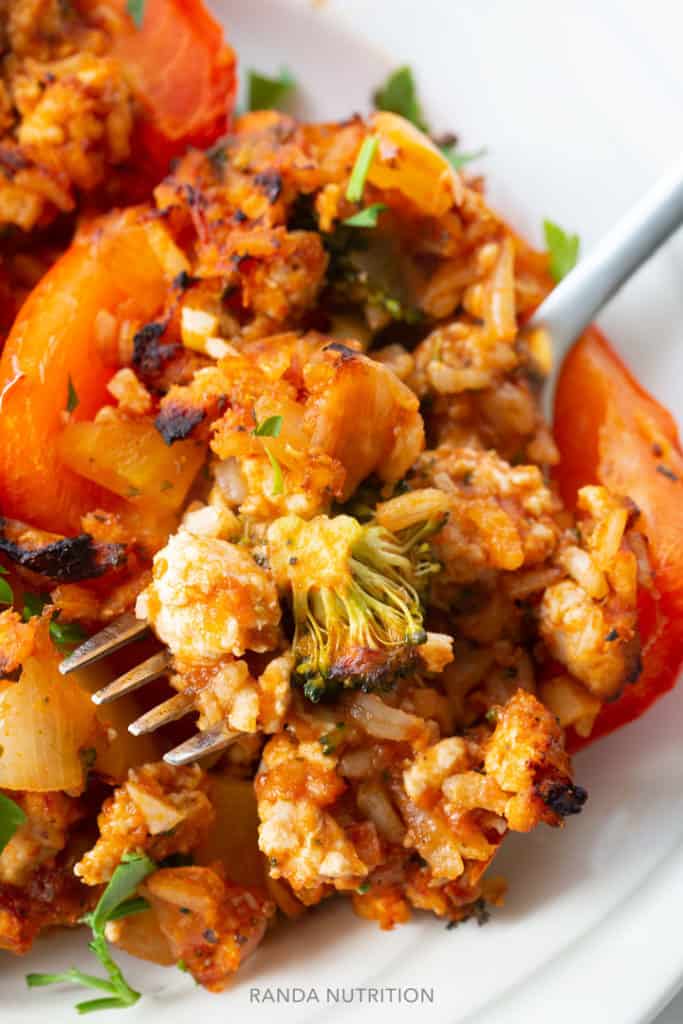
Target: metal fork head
(113,637)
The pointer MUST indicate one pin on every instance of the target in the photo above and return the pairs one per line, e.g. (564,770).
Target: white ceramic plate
(580,106)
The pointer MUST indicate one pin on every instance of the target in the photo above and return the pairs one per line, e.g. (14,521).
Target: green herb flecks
(460,160)
(11,819)
(72,399)
(330,740)
(33,605)
(116,901)
(270,427)
(563,249)
(265,93)
(366,154)
(366,218)
(399,96)
(66,635)
(136,9)
(6,592)
(278,481)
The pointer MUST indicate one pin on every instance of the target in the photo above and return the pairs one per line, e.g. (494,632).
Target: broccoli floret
(356,599)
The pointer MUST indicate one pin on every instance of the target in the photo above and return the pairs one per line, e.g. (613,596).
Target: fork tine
(170,711)
(150,669)
(201,745)
(115,635)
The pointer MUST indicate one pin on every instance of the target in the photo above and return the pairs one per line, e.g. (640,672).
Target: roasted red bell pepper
(182,72)
(609,430)
(54,358)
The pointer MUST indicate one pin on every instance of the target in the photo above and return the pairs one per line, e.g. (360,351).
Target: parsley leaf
(136,9)
(33,605)
(270,427)
(563,248)
(366,218)
(366,154)
(399,96)
(116,901)
(11,819)
(458,160)
(132,870)
(278,482)
(265,93)
(6,592)
(72,399)
(66,634)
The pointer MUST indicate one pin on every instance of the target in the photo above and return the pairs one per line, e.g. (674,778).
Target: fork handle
(576,300)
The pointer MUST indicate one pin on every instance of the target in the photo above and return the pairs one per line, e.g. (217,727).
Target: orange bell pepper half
(609,430)
(109,274)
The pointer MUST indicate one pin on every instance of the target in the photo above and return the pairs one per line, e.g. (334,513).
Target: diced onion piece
(233,840)
(118,750)
(406,160)
(571,703)
(130,458)
(47,722)
(198,331)
(140,935)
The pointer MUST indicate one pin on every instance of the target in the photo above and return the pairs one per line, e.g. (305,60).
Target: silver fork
(113,637)
(565,314)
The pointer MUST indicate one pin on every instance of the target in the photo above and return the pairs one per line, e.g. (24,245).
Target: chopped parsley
(366,218)
(116,901)
(136,9)
(366,154)
(278,482)
(66,634)
(265,93)
(72,398)
(399,96)
(33,605)
(270,427)
(11,819)
(459,160)
(563,249)
(330,740)
(6,592)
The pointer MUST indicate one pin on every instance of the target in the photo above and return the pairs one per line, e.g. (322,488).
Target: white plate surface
(580,107)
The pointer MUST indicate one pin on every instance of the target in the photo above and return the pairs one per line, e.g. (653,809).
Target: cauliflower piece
(347,389)
(501,517)
(159,810)
(227,692)
(209,598)
(589,620)
(302,840)
(526,757)
(460,795)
